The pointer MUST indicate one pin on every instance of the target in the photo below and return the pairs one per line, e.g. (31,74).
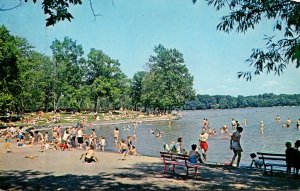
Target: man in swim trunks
(235,145)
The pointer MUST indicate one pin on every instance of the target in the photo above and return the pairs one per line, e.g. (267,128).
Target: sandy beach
(63,170)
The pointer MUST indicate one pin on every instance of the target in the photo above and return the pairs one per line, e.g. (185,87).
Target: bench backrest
(272,156)
(173,156)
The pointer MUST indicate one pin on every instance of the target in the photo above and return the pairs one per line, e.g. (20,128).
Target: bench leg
(165,168)
(173,170)
(271,169)
(265,170)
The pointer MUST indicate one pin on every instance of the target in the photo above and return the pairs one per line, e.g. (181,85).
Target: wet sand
(62,170)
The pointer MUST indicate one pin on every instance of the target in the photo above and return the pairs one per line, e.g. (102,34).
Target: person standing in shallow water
(203,143)
(235,145)
(298,124)
(233,124)
(262,126)
(277,119)
(116,135)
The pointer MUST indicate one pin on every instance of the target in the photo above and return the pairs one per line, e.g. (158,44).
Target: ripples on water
(189,128)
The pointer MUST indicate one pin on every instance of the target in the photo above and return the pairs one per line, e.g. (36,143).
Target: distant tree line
(229,102)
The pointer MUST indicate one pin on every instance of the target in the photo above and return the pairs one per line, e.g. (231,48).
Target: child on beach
(290,153)
(8,137)
(102,143)
(257,163)
(89,155)
(129,142)
(123,149)
(297,157)
(133,151)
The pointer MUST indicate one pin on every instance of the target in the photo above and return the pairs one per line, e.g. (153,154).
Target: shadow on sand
(148,177)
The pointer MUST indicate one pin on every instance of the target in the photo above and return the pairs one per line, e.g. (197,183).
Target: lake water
(189,127)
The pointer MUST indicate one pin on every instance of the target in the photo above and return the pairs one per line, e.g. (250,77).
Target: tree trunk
(95,103)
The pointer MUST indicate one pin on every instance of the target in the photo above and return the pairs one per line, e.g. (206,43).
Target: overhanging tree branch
(92,8)
(8,9)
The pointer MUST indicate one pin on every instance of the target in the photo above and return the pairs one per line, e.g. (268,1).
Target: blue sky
(129,30)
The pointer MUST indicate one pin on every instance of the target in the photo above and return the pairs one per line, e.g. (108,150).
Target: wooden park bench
(171,160)
(272,160)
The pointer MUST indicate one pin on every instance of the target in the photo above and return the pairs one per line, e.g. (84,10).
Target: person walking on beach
(80,137)
(262,126)
(123,149)
(298,124)
(8,137)
(235,145)
(203,144)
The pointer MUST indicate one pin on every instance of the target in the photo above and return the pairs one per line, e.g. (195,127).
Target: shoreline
(62,170)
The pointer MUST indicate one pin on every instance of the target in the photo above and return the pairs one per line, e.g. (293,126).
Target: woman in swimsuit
(235,145)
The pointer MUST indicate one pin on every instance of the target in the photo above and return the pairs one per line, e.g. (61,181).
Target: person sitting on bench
(194,156)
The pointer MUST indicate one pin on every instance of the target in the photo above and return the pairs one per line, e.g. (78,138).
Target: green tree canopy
(137,88)
(170,79)
(105,77)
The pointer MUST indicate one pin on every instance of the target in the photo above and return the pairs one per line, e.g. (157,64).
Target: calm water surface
(189,127)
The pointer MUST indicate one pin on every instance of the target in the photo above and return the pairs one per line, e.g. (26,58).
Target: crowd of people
(69,138)
(199,153)
(74,137)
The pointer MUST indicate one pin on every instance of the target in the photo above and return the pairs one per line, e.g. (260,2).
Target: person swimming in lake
(277,119)
(235,145)
(288,123)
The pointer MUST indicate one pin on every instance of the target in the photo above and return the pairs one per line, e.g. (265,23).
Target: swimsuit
(204,145)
